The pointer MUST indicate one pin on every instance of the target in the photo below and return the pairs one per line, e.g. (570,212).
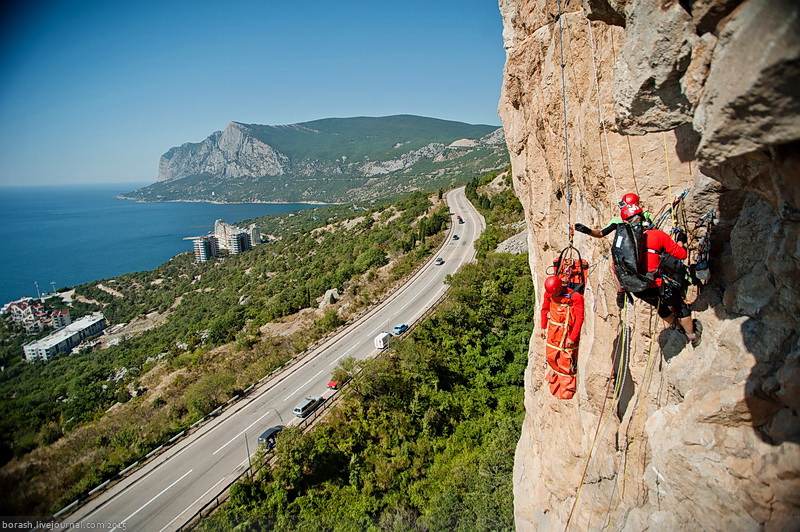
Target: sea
(62,236)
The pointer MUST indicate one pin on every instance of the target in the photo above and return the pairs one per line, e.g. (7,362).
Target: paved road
(162,494)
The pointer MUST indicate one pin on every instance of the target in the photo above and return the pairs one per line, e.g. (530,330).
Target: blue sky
(97,91)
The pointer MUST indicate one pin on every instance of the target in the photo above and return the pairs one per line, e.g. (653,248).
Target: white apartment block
(238,243)
(63,340)
(225,236)
(205,247)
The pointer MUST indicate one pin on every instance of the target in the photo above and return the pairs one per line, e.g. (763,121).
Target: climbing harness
(571,268)
(689,280)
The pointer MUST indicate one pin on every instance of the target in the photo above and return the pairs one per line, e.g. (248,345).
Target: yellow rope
(669,179)
(600,110)
(638,417)
(605,424)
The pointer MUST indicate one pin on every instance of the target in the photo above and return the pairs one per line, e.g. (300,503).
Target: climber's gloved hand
(681,237)
(582,229)
(621,298)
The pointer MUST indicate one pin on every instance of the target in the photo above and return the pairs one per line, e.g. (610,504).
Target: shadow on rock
(672,342)
(621,356)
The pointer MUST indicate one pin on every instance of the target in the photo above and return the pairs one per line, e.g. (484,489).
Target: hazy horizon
(96,92)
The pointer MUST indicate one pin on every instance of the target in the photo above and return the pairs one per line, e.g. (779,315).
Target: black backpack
(626,252)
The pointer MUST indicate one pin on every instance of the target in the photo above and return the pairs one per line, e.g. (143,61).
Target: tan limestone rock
(662,96)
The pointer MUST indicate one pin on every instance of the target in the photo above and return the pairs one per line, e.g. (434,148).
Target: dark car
(268,436)
(455,237)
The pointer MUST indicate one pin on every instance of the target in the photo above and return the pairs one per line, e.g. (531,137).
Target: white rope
(566,136)
(600,110)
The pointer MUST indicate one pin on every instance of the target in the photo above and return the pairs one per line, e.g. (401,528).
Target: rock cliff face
(230,153)
(661,96)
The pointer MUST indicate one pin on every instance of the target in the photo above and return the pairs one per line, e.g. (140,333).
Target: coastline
(100,236)
(258,202)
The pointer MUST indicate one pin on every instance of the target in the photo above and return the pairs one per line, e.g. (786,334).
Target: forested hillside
(76,420)
(424,437)
(330,160)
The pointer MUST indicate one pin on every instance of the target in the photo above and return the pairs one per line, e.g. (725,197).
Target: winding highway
(164,492)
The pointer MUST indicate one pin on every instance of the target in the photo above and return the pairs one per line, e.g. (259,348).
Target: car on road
(334,384)
(455,237)
(269,436)
(400,328)
(439,261)
(307,406)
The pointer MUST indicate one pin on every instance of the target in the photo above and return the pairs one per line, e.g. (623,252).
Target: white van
(307,405)
(382,340)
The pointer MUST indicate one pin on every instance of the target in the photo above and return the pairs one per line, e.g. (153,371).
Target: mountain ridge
(327,160)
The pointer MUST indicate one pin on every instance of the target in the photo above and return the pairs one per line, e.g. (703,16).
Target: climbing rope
(600,109)
(570,231)
(669,177)
(620,359)
(637,417)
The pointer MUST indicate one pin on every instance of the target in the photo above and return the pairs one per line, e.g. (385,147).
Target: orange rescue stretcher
(562,361)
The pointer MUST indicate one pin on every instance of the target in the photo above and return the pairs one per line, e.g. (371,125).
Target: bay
(69,235)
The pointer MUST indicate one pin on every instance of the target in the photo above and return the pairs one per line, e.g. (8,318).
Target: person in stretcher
(562,319)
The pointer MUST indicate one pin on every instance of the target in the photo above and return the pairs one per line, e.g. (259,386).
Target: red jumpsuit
(563,316)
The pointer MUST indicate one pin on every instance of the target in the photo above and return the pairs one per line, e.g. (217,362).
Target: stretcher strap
(575,373)
(560,348)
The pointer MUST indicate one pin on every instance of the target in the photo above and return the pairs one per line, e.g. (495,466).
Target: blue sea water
(75,234)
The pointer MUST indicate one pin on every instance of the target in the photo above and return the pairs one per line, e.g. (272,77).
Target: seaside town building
(255,235)
(238,243)
(21,311)
(66,338)
(33,317)
(60,318)
(225,236)
(205,247)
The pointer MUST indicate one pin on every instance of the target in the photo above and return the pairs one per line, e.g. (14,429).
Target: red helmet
(629,199)
(630,210)
(553,284)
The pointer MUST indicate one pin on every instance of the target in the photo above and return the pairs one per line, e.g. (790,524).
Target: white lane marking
(121,523)
(302,385)
(195,502)
(420,290)
(340,356)
(235,437)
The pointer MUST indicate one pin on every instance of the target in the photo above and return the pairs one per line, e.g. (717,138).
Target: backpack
(626,252)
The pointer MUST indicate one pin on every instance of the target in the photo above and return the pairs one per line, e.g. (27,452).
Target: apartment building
(63,340)
(225,236)
(205,247)
(238,243)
